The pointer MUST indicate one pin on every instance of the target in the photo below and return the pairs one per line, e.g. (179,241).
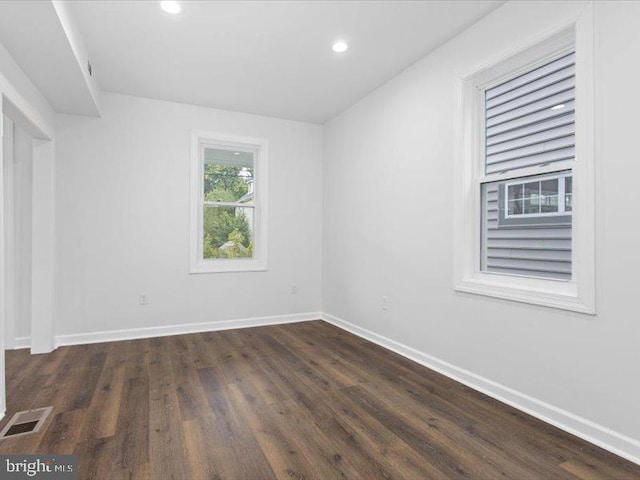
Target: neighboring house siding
(522,128)
(529,121)
(539,251)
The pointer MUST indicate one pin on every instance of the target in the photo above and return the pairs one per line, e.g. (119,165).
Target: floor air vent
(24,423)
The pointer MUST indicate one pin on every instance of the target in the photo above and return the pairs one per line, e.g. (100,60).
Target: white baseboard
(592,432)
(166,330)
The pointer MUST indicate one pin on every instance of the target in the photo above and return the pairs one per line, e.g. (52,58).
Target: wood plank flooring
(298,401)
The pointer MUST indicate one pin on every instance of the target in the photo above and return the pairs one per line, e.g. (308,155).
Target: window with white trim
(519,224)
(228,203)
(529,123)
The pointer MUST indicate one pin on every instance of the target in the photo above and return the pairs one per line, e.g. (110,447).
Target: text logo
(44,467)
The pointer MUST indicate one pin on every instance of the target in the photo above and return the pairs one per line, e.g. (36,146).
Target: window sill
(546,293)
(225,266)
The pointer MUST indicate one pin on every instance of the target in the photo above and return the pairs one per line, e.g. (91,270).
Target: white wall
(122,211)
(388,231)
(23,171)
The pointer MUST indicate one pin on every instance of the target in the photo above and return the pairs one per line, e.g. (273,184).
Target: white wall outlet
(385,303)
(294,289)
(143,299)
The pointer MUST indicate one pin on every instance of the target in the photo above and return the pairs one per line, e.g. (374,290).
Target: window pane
(227,232)
(549,204)
(568,194)
(529,112)
(549,196)
(515,207)
(228,176)
(514,243)
(515,191)
(531,189)
(532,197)
(532,204)
(549,187)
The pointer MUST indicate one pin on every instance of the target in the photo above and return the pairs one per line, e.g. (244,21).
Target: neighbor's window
(228,204)
(532,198)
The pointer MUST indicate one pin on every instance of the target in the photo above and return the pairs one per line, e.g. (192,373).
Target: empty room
(319,240)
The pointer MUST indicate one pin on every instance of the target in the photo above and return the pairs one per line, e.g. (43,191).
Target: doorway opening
(17,154)
(27,261)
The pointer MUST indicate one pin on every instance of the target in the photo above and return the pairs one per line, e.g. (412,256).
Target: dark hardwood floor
(298,401)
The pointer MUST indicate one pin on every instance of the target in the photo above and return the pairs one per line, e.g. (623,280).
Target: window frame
(577,294)
(259,147)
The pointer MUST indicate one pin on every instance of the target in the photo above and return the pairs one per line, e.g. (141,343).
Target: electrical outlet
(143,299)
(385,303)
(294,289)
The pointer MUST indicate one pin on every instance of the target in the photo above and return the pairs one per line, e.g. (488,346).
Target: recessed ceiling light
(558,107)
(171,6)
(340,47)
(236,153)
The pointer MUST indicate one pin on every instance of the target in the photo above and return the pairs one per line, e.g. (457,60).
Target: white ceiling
(36,36)
(271,58)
